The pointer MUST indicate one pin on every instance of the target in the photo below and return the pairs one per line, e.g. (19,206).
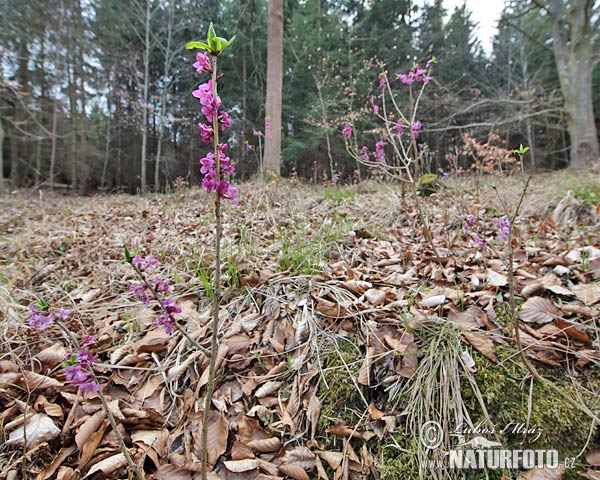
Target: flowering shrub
(396,151)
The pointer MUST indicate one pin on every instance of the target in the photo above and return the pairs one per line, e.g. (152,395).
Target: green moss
(510,400)
(341,400)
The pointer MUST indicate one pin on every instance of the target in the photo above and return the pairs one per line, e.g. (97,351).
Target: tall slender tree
(274,87)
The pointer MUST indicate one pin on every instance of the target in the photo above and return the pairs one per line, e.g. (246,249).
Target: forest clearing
(341,332)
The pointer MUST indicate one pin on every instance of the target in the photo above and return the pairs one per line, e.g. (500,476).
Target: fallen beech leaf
(538,310)
(238,466)
(293,470)
(38,428)
(89,426)
(218,432)
(271,444)
(593,457)
(47,472)
(434,301)
(572,331)
(375,297)
(495,279)
(267,389)
(171,472)
(330,309)
(108,465)
(356,286)
(544,473)
(588,293)
(481,343)
(374,412)
(35,381)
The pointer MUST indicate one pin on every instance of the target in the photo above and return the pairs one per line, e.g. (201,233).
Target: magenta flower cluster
(78,367)
(416,74)
(148,289)
(211,103)
(470,222)
(42,319)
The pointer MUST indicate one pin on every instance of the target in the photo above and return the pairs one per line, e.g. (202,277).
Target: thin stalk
(217,285)
(113,423)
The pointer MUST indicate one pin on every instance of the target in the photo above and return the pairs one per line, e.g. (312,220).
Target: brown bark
(573,35)
(272,160)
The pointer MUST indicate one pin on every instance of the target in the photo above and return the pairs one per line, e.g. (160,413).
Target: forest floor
(342,332)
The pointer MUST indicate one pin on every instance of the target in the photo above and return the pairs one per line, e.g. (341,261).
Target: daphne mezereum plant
(78,367)
(396,151)
(215,167)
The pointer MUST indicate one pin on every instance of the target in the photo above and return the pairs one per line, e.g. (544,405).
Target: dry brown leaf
(38,428)
(331,309)
(544,473)
(593,457)
(375,297)
(293,470)
(67,473)
(573,330)
(53,355)
(35,381)
(588,293)
(538,310)
(374,412)
(238,466)
(218,432)
(171,472)
(89,426)
(108,465)
(267,389)
(264,445)
(482,343)
(356,286)
(47,472)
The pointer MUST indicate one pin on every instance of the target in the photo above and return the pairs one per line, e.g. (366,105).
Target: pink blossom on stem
(224,120)
(206,132)
(382,80)
(347,130)
(415,129)
(202,64)
(365,153)
(380,152)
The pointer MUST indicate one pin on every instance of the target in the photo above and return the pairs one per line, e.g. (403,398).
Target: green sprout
(214,45)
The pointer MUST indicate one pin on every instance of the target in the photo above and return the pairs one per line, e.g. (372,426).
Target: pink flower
(206,132)
(382,80)
(202,64)
(39,319)
(365,153)
(256,133)
(380,152)
(407,79)
(479,241)
(399,129)
(415,129)
(375,107)
(224,120)
(503,224)
(160,285)
(347,130)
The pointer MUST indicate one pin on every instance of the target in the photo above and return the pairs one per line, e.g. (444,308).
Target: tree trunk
(1,158)
(573,45)
(576,88)
(53,146)
(274,87)
(145,106)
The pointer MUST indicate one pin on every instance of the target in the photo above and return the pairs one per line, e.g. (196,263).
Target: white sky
(485,13)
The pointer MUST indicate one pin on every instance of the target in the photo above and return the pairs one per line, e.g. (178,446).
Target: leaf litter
(372,281)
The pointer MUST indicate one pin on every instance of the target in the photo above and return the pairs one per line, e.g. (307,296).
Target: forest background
(96,94)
